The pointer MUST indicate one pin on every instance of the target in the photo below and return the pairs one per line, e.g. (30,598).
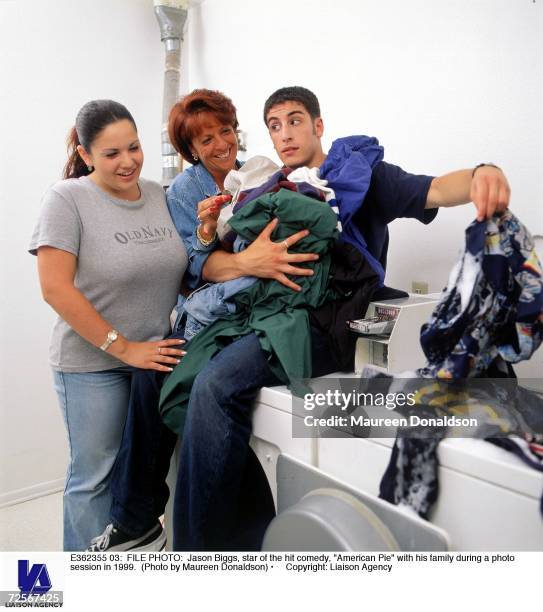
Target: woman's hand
(208,214)
(267,259)
(150,355)
(57,270)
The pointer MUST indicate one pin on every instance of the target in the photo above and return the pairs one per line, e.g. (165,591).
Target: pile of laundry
(489,316)
(342,284)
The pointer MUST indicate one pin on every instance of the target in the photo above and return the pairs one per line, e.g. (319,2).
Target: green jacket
(274,312)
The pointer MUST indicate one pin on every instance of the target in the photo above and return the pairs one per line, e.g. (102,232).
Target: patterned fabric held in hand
(492,308)
(490,315)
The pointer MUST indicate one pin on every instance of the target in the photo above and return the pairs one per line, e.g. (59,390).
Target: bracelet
(481,165)
(203,240)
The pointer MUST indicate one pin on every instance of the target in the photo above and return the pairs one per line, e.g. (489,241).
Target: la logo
(35,580)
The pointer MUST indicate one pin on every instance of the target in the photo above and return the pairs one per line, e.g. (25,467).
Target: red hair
(185,117)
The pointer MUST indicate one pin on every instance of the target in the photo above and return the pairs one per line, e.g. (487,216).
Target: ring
(286,244)
(159,348)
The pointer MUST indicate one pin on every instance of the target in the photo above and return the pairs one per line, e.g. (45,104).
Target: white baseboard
(39,490)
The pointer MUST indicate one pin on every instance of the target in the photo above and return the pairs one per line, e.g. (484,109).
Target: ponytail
(75,166)
(93,117)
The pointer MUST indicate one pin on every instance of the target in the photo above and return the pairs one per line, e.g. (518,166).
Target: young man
(292,115)
(355,169)
(216,465)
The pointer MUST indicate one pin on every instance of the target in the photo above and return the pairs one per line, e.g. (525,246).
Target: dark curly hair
(294,94)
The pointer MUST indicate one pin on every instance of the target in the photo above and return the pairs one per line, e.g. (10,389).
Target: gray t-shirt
(130,262)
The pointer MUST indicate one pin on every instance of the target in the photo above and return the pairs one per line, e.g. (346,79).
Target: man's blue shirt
(371,193)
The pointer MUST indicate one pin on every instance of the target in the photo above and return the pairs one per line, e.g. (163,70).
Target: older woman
(202,127)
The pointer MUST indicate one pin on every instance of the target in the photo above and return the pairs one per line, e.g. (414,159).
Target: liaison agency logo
(35,583)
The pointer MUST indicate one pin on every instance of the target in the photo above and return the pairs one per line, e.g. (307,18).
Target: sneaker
(115,539)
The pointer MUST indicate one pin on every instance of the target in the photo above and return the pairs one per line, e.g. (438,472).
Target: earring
(90,168)
(195,157)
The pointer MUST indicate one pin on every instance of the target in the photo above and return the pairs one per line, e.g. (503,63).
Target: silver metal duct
(171,17)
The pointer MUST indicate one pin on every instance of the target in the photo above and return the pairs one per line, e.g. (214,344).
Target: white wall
(55,55)
(443,84)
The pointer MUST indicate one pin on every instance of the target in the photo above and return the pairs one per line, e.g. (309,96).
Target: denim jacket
(211,302)
(188,189)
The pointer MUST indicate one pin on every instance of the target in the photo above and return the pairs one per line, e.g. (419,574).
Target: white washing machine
(488,498)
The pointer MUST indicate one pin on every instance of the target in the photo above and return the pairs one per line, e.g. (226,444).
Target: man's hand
(489,192)
(267,259)
(487,188)
(263,258)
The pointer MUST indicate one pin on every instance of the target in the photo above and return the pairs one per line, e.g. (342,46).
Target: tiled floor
(32,525)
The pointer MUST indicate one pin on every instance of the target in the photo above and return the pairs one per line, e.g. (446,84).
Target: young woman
(110,263)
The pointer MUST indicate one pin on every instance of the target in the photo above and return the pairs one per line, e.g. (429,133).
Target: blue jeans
(94,407)
(222,498)
(214,507)
(138,481)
